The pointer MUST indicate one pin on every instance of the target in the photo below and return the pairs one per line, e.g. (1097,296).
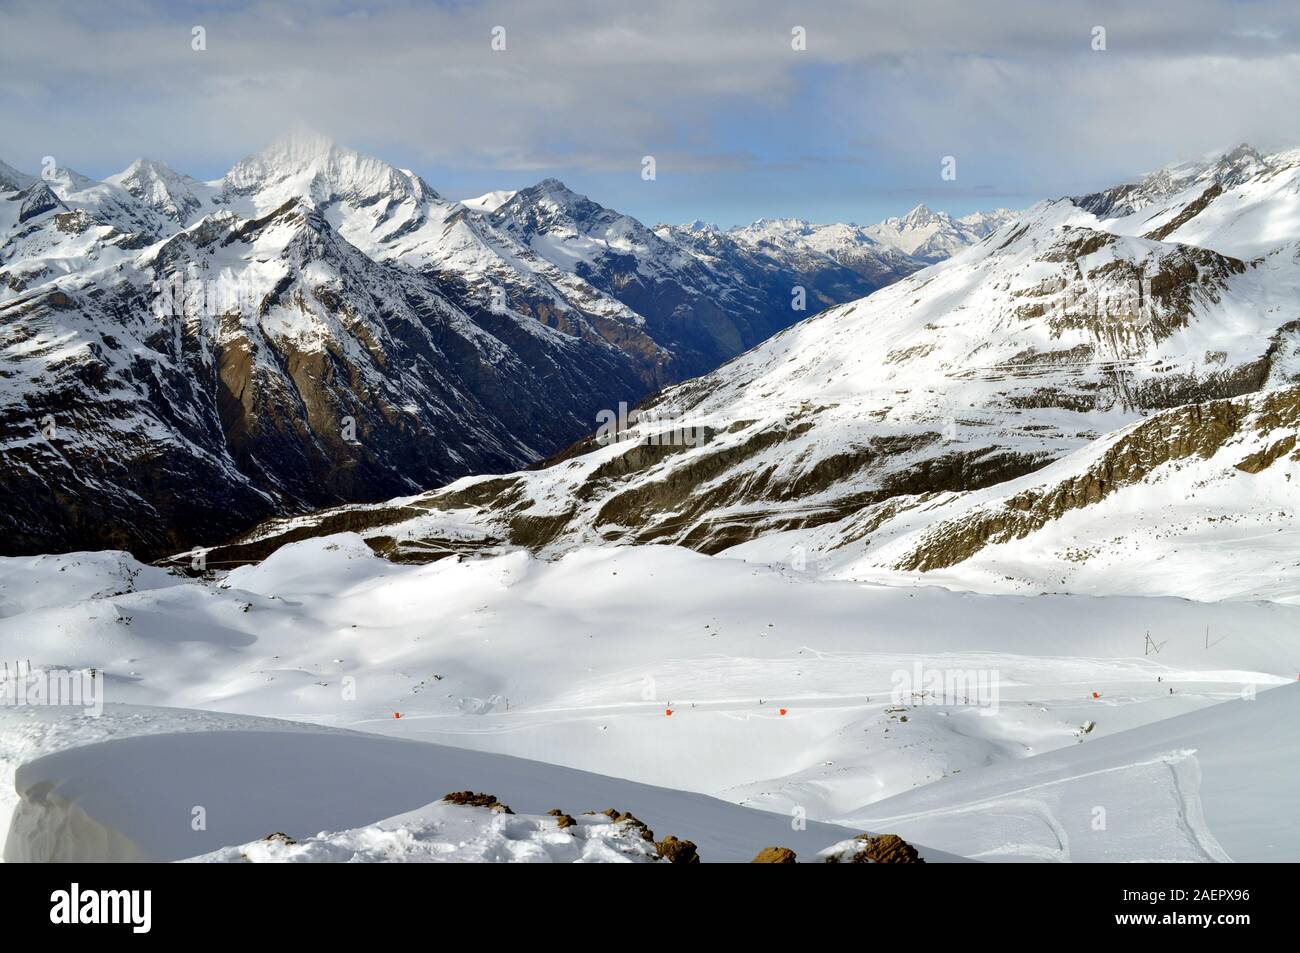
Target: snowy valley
(181,359)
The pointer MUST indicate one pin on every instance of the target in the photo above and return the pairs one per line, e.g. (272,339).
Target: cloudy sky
(742,125)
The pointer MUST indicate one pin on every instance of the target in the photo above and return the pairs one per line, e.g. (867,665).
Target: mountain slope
(706,295)
(159,393)
(1197,501)
(1050,332)
(180,359)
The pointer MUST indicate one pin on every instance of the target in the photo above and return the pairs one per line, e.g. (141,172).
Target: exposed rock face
(1199,430)
(874,849)
(562,820)
(35,200)
(774,855)
(677,851)
(625,817)
(473,799)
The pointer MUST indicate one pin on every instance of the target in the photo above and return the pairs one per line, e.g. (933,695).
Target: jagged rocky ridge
(1044,344)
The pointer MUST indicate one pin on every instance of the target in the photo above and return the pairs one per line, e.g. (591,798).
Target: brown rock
(677,851)
(887,849)
(774,855)
(472,799)
(562,820)
(625,817)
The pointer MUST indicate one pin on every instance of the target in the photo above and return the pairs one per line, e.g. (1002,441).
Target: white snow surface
(784,691)
(346,796)
(1216,785)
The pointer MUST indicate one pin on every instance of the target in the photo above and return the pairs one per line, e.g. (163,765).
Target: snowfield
(791,697)
(1219,784)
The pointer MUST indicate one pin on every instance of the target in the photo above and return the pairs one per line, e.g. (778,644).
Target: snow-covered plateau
(334,697)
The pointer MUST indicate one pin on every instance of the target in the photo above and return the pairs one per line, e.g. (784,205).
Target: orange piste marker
(397,714)
(668,711)
(783,711)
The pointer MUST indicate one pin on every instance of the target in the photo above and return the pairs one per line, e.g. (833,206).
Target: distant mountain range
(181,359)
(1100,395)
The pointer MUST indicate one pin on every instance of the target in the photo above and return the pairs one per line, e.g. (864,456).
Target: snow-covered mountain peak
(694,227)
(552,186)
(65,181)
(555,196)
(147,170)
(314,166)
(1237,166)
(489,202)
(931,236)
(1244,153)
(11,180)
(1227,169)
(983,223)
(772,228)
(299,147)
(159,186)
(922,215)
(552,208)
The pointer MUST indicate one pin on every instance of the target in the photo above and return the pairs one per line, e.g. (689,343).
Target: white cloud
(1013,88)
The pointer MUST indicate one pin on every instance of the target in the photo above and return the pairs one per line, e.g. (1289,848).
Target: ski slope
(1219,784)
(788,693)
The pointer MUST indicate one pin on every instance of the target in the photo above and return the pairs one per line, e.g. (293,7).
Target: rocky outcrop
(875,849)
(1200,430)
(774,855)
(677,851)
(474,799)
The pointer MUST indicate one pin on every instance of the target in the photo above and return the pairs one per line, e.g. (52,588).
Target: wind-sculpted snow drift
(255,778)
